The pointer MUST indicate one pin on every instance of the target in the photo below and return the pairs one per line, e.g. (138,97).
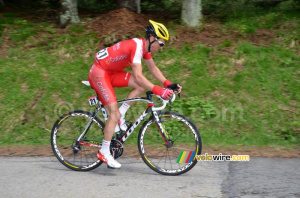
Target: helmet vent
(163,33)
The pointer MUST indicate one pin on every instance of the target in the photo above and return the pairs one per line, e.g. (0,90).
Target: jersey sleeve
(147,56)
(137,53)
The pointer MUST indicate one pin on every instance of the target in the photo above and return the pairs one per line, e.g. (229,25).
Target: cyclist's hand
(167,93)
(175,87)
(163,92)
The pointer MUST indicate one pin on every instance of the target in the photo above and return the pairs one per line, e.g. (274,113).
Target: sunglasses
(161,44)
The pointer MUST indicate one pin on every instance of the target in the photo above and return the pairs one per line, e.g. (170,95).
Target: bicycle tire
(65,147)
(153,150)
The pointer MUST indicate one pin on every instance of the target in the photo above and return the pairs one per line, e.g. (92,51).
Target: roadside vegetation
(243,91)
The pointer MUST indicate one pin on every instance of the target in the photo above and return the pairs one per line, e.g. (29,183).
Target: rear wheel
(77,155)
(184,143)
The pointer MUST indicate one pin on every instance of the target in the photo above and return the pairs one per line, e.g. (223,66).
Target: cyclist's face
(158,44)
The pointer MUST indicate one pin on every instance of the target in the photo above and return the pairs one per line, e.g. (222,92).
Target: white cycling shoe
(109,160)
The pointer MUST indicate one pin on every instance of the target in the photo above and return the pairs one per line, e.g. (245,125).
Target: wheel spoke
(68,130)
(162,159)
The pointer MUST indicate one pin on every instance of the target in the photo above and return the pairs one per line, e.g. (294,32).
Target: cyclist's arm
(155,71)
(140,79)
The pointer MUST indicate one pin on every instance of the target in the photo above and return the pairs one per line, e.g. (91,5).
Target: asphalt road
(46,177)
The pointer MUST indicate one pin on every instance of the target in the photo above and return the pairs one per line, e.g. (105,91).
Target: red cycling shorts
(103,82)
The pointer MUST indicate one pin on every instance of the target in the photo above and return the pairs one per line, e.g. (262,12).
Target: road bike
(77,136)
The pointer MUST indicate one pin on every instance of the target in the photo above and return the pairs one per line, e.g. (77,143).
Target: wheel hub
(170,143)
(75,148)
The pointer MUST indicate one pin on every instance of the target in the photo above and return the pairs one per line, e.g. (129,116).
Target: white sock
(123,109)
(105,149)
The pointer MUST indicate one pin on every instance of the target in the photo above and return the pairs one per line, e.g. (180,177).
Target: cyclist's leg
(121,79)
(136,91)
(125,79)
(101,83)
(113,118)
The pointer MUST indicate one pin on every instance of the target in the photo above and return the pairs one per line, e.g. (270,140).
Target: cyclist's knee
(139,89)
(132,83)
(113,112)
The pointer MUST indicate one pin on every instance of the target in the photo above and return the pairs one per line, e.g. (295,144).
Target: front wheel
(77,155)
(176,153)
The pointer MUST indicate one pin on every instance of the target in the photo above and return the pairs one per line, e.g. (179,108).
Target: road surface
(46,177)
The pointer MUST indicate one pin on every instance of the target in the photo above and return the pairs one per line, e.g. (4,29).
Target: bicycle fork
(162,130)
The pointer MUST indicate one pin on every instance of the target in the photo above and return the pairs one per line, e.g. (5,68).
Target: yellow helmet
(157,29)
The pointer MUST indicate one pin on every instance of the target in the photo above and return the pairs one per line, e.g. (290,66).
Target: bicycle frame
(137,122)
(129,131)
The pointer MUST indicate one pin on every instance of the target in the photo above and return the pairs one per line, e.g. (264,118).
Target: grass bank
(237,93)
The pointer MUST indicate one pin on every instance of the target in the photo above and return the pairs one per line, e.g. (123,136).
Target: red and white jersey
(122,55)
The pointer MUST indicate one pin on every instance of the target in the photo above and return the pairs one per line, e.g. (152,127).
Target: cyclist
(107,72)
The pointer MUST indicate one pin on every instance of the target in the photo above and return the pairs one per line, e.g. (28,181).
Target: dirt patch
(4,46)
(213,35)
(262,37)
(118,25)
(132,151)
(210,35)
(122,24)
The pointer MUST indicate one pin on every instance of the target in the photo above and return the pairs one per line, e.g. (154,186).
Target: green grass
(253,105)
(248,97)
(76,28)
(245,23)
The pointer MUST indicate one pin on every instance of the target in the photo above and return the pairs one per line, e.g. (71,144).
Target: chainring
(116,148)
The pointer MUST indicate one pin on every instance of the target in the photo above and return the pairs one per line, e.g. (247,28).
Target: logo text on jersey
(116,46)
(118,58)
(103,91)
